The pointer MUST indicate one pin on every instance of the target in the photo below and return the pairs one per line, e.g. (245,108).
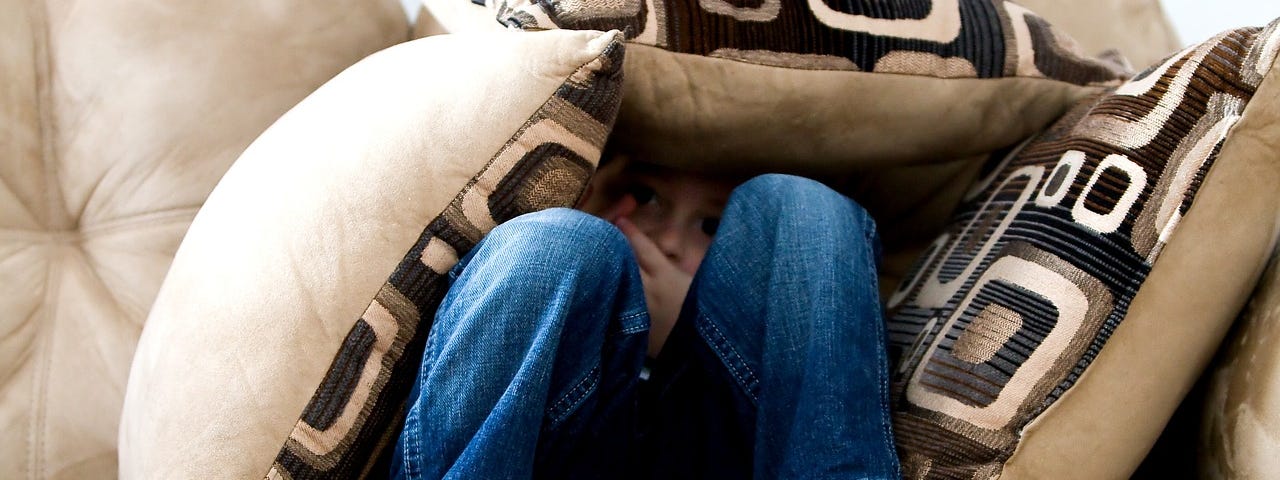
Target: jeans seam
(413,441)
(729,356)
(412,446)
(882,374)
(570,401)
(635,329)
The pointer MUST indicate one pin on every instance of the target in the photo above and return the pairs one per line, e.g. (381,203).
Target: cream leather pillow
(1051,331)
(284,339)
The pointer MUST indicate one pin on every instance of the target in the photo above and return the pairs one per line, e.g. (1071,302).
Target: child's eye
(641,193)
(710,225)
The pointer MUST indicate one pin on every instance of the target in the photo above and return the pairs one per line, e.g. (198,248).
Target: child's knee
(558,236)
(792,199)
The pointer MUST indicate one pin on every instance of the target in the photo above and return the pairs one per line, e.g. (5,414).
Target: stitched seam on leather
(42,62)
(36,236)
(136,317)
(43,359)
(123,223)
(114,226)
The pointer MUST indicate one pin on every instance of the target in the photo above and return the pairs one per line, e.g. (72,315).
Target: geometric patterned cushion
(287,333)
(545,164)
(945,39)
(1010,306)
(863,82)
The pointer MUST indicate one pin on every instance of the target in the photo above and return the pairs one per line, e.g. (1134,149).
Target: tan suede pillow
(1138,29)
(284,339)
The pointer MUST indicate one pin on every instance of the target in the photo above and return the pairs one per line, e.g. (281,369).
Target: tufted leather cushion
(287,333)
(116,120)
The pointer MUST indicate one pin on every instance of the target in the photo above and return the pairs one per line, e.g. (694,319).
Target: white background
(1195,20)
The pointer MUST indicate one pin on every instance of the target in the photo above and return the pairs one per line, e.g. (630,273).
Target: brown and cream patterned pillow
(545,164)
(1088,276)
(1053,327)
(863,83)
(286,337)
(1062,247)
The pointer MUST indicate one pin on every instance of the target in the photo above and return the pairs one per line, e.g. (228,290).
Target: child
(766,327)
(669,218)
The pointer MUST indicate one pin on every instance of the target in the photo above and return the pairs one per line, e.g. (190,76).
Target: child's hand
(665,284)
(621,208)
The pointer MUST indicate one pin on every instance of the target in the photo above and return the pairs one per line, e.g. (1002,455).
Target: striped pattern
(354,415)
(934,38)
(1013,302)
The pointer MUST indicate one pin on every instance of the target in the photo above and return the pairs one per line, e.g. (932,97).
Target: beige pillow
(1242,405)
(1138,29)
(284,339)
(1054,327)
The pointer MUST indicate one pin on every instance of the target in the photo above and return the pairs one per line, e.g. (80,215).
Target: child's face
(678,211)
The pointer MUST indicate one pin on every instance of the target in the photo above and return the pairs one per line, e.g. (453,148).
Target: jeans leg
(777,365)
(530,369)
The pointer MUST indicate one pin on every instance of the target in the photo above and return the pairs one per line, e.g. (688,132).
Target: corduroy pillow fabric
(791,93)
(829,86)
(287,333)
(1053,328)
(914,129)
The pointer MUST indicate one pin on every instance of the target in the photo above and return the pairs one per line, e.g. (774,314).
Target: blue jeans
(775,369)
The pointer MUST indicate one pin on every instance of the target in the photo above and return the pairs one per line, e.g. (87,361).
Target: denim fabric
(776,368)
(777,365)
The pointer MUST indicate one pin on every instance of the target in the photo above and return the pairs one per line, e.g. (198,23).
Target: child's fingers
(624,207)
(648,255)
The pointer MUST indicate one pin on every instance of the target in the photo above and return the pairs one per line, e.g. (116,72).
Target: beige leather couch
(119,117)
(116,120)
